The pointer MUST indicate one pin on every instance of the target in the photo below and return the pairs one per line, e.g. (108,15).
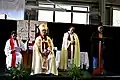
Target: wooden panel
(27,58)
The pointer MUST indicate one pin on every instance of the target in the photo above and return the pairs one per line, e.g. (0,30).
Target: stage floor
(62,76)
(41,77)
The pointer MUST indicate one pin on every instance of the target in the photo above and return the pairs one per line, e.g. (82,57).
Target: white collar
(70,33)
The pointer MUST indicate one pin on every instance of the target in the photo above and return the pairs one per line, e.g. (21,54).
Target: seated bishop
(43,59)
(13,49)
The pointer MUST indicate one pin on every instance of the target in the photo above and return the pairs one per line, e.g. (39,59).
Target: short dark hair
(72,27)
(13,32)
(100,24)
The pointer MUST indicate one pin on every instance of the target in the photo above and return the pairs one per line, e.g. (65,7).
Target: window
(45,15)
(116,17)
(80,17)
(14,9)
(64,17)
(80,13)
(13,14)
(80,8)
(2,16)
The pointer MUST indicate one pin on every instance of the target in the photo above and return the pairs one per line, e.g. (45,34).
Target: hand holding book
(17,49)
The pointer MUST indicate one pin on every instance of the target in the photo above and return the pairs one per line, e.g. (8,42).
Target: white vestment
(70,52)
(8,54)
(38,60)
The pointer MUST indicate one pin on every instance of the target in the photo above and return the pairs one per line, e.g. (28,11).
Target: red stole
(41,36)
(45,38)
(13,63)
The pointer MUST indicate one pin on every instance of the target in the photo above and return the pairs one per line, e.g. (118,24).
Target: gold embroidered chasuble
(43,60)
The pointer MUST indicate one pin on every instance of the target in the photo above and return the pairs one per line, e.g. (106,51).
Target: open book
(17,49)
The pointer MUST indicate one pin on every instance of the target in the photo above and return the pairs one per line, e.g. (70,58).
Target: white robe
(37,59)
(65,62)
(18,54)
(68,42)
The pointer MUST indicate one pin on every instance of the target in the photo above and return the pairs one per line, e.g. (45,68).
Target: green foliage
(75,72)
(19,74)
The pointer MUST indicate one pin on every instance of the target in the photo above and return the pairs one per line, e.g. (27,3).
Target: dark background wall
(56,31)
(6,27)
(111,55)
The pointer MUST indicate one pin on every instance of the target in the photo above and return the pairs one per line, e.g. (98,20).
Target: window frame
(71,11)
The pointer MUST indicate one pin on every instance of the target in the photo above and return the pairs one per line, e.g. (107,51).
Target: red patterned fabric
(41,36)
(13,63)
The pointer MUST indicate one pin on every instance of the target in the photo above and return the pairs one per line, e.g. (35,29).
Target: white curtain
(14,9)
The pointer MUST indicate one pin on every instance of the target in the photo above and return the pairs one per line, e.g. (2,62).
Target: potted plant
(19,74)
(75,72)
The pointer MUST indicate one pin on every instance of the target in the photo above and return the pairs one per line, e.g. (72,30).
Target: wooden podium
(27,56)
(100,69)
(27,59)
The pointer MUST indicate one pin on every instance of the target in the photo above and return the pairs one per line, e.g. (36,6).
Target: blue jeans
(95,62)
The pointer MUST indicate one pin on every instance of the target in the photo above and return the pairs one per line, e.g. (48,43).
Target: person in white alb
(70,51)
(13,50)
